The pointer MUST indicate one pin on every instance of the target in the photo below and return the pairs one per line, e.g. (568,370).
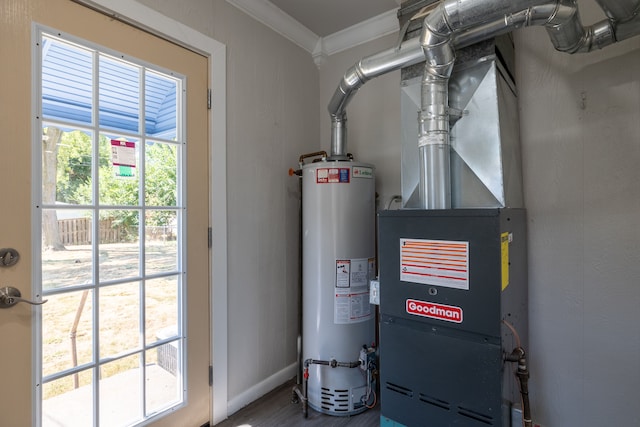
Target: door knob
(10,296)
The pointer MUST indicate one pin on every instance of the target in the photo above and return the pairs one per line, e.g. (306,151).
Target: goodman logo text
(448,313)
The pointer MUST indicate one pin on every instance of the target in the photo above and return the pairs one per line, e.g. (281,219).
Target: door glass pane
(119,248)
(119,319)
(67,81)
(67,332)
(66,251)
(121,392)
(161,172)
(68,401)
(66,165)
(162,379)
(161,106)
(161,244)
(119,160)
(119,91)
(161,309)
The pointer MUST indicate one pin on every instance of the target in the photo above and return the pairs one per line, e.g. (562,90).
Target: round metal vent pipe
(408,53)
(457,23)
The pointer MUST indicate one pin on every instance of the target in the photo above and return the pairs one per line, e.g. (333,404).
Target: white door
(118,291)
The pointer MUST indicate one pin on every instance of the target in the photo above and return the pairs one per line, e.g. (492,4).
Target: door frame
(147,19)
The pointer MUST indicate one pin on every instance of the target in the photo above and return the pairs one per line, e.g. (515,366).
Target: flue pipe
(459,23)
(408,53)
(433,131)
(446,27)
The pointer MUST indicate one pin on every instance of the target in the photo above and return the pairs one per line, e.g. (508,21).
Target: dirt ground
(127,297)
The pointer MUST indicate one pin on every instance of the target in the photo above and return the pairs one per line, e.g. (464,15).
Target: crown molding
(280,22)
(365,31)
(319,47)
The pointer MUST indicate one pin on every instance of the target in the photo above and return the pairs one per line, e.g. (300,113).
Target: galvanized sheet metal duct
(408,53)
(440,28)
(456,23)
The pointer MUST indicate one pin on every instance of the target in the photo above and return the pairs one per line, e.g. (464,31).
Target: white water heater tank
(338,220)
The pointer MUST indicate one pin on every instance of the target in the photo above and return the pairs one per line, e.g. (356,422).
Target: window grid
(97,285)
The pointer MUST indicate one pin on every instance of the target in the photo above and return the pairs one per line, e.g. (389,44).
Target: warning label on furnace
(351,304)
(435,262)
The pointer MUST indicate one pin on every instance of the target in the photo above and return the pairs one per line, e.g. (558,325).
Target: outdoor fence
(77,231)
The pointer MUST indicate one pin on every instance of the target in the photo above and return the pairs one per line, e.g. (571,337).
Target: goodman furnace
(453,289)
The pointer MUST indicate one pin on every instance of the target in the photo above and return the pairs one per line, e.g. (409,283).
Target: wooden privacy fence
(77,231)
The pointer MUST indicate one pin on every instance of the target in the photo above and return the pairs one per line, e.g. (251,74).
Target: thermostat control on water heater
(367,358)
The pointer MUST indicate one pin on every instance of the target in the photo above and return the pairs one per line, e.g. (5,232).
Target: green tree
(160,182)
(74,168)
(73,180)
(50,142)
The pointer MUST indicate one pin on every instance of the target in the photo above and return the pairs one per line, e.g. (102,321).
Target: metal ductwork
(457,23)
(408,53)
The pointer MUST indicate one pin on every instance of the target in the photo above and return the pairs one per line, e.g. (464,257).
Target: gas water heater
(338,232)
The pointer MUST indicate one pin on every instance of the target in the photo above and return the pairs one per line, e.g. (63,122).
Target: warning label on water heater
(351,302)
(435,262)
(332,176)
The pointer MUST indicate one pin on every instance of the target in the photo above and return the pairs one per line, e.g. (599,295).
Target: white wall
(581,148)
(580,131)
(272,101)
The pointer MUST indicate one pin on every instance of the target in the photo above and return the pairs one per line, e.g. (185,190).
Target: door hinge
(210,237)
(208,99)
(210,376)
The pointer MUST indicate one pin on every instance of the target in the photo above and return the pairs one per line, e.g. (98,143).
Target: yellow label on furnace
(504,249)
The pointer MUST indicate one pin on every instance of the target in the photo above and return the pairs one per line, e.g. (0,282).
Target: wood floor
(276,410)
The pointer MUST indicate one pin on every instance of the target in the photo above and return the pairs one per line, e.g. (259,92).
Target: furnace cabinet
(449,280)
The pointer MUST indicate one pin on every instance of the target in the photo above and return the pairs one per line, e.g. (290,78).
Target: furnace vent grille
(399,389)
(475,415)
(435,401)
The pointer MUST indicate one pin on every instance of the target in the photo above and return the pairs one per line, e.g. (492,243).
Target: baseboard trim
(257,391)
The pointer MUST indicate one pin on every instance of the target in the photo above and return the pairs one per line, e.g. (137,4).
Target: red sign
(448,313)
